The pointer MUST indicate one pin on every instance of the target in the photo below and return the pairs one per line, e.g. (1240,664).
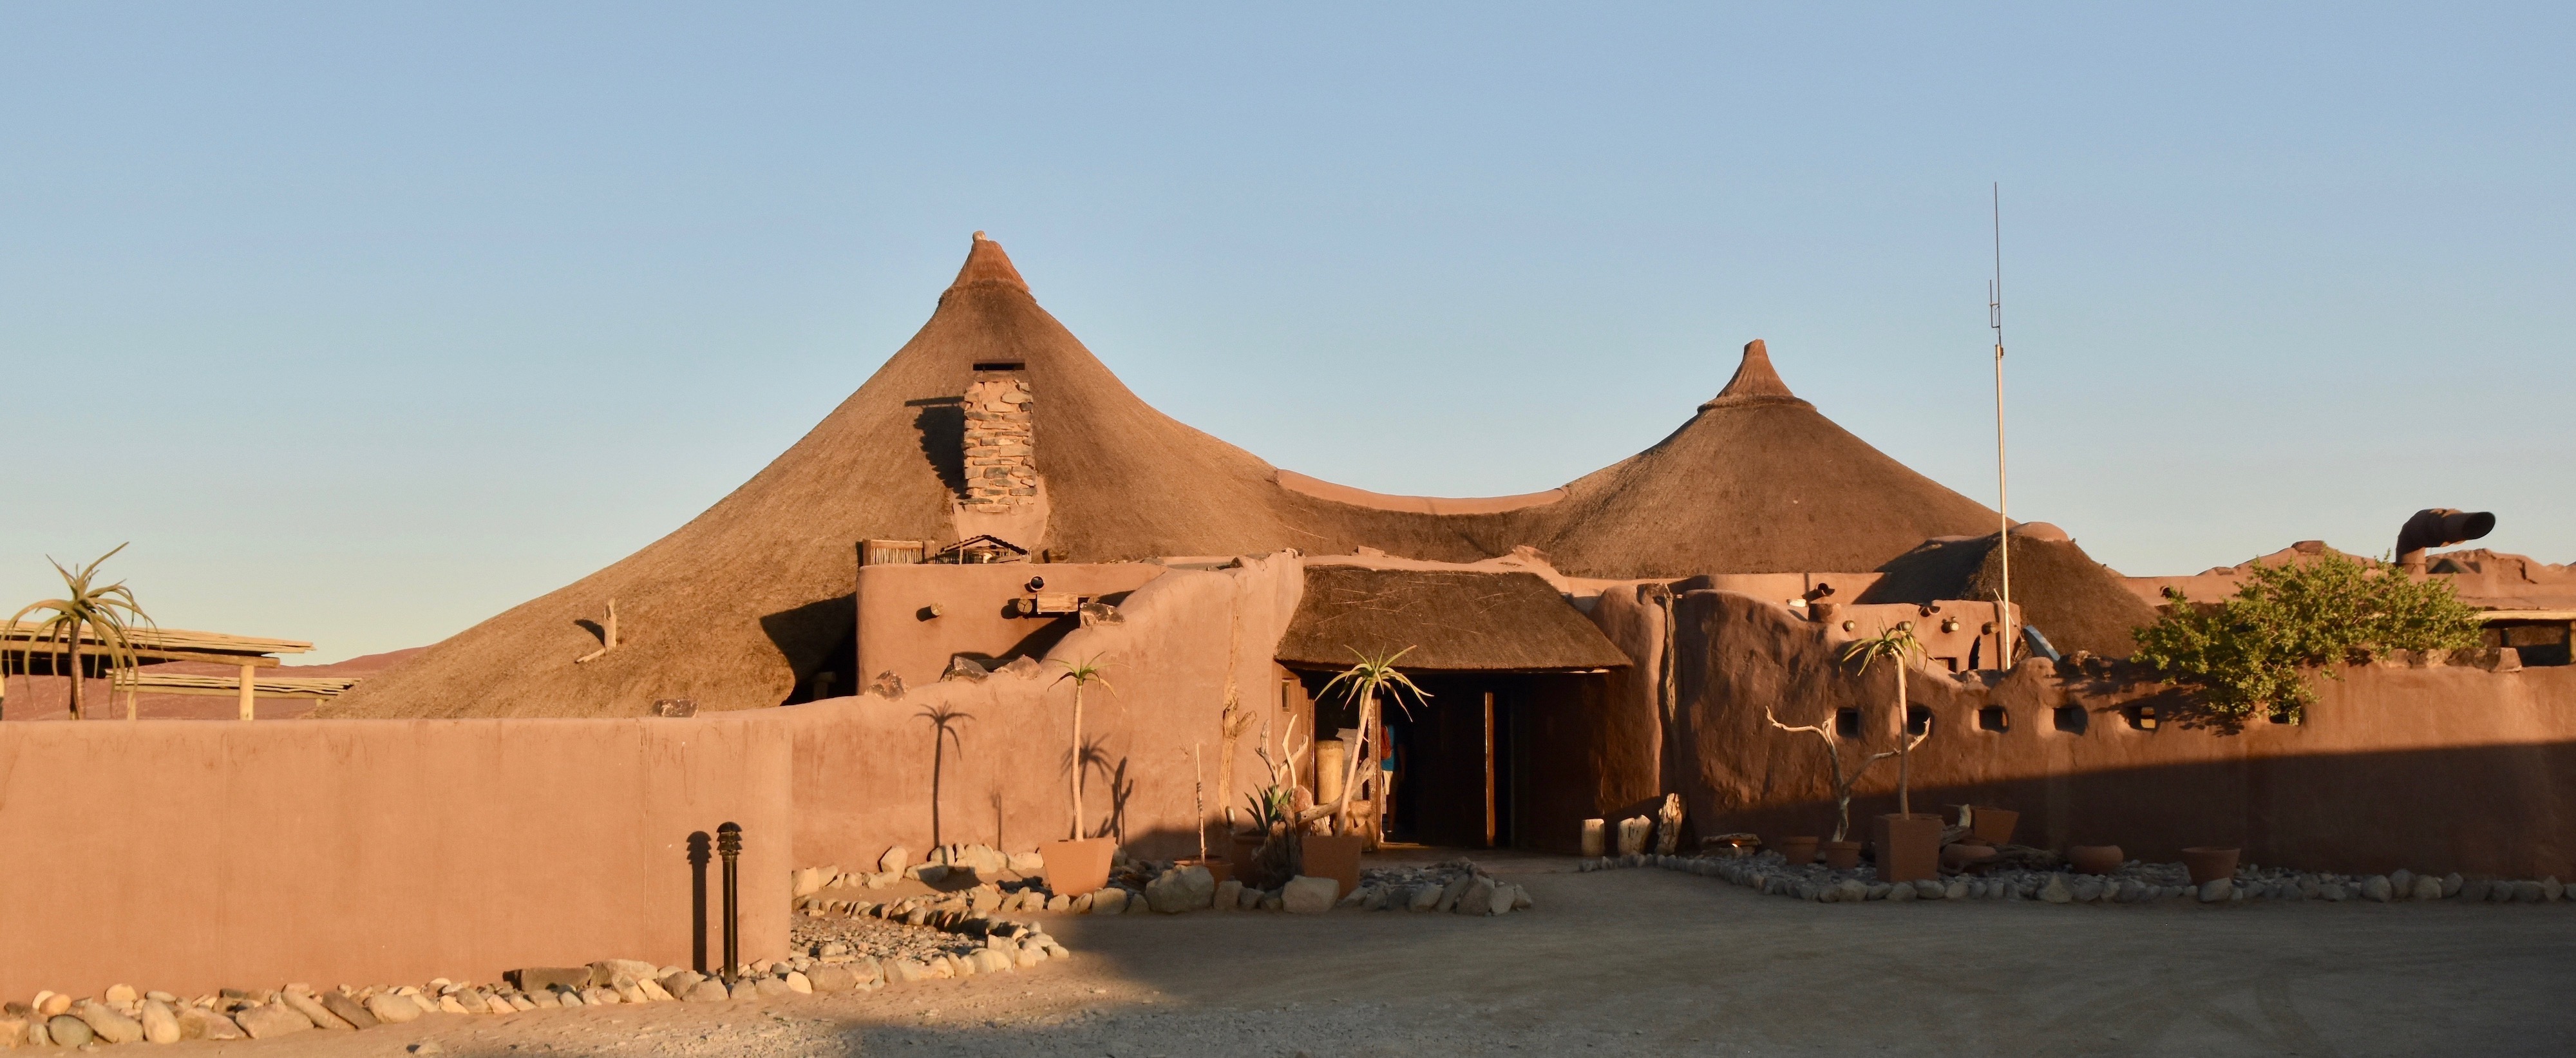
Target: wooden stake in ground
(607,638)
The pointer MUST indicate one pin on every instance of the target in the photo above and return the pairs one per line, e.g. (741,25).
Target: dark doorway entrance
(1456,768)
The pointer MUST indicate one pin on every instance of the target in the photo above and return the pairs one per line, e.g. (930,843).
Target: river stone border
(2134,882)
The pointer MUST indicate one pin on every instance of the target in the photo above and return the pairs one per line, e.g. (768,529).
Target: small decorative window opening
(2072,719)
(1847,723)
(2142,717)
(1918,720)
(1993,718)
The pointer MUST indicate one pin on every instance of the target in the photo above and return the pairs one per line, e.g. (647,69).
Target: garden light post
(729,846)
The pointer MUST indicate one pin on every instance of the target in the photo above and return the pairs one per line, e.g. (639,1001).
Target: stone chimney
(1001,454)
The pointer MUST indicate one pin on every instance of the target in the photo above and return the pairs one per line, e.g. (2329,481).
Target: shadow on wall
(819,643)
(701,850)
(942,424)
(943,734)
(2433,810)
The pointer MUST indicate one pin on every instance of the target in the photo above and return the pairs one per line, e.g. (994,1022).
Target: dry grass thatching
(1445,621)
(2079,604)
(740,605)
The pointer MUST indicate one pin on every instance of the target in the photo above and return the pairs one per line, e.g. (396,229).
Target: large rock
(301,998)
(1181,889)
(905,971)
(707,991)
(347,1008)
(2427,887)
(1479,897)
(1305,895)
(988,961)
(808,881)
(2216,890)
(829,979)
(1027,864)
(607,971)
(1451,893)
(1109,901)
(2056,891)
(1229,895)
(895,859)
(107,1023)
(392,1009)
(2377,888)
(271,1019)
(160,1023)
(198,1023)
(2402,883)
(68,1031)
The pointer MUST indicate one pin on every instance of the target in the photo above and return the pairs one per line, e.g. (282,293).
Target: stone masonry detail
(1001,457)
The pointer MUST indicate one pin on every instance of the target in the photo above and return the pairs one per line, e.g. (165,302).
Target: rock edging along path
(124,1016)
(2133,882)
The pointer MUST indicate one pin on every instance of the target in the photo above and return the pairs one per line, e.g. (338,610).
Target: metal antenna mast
(2003,490)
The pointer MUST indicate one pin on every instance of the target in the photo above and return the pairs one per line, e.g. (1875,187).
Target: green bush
(2256,651)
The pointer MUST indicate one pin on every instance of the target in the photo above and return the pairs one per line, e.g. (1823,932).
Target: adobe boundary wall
(2435,769)
(961,761)
(196,855)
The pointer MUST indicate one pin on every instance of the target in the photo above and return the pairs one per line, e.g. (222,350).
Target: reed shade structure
(743,604)
(23,650)
(317,687)
(2079,604)
(1444,621)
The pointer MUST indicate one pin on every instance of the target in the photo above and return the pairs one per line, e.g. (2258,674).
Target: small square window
(1993,718)
(2072,719)
(1847,723)
(2142,717)
(1918,720)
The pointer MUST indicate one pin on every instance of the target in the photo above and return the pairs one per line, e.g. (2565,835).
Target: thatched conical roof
(735,608)
(2079,604)
(1757,482)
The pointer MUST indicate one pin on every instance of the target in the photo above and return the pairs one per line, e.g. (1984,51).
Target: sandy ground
(1658,962)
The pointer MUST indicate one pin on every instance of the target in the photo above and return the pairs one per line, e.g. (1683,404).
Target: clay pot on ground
(1076,867)
(1798,851)
(1964,856)
(2209,863)
(1334,856)
(2095,859)
(1217,866)
(1841,855)
(1909,847)
(1994,826)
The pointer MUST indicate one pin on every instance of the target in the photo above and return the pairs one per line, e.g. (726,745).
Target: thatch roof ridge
(1755,379)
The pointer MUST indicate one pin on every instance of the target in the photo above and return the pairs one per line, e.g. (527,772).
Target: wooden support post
(249,691)
(1489,769)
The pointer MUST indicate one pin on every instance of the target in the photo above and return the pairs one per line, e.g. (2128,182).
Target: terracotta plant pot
(2095,859)
(1798,851)
(2209,863)
(1217,866)
(1909,847)
(1964,857)
(1334,856)
(1994,826)
(1074,867)
(1842,855)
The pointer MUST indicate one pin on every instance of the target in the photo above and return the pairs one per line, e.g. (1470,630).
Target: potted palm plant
(1909,845)
(1079,864)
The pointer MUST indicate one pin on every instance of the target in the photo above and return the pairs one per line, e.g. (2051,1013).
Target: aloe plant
(108,613)
(1899,646)
(1366,680)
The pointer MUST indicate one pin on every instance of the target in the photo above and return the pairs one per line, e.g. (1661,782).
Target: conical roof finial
(986,264)
(1754,380)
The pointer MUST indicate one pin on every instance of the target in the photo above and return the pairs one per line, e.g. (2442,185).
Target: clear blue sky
(364,323)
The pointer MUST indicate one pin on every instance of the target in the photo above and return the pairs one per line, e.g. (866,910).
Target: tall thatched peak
(1755,380)
(987,265)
